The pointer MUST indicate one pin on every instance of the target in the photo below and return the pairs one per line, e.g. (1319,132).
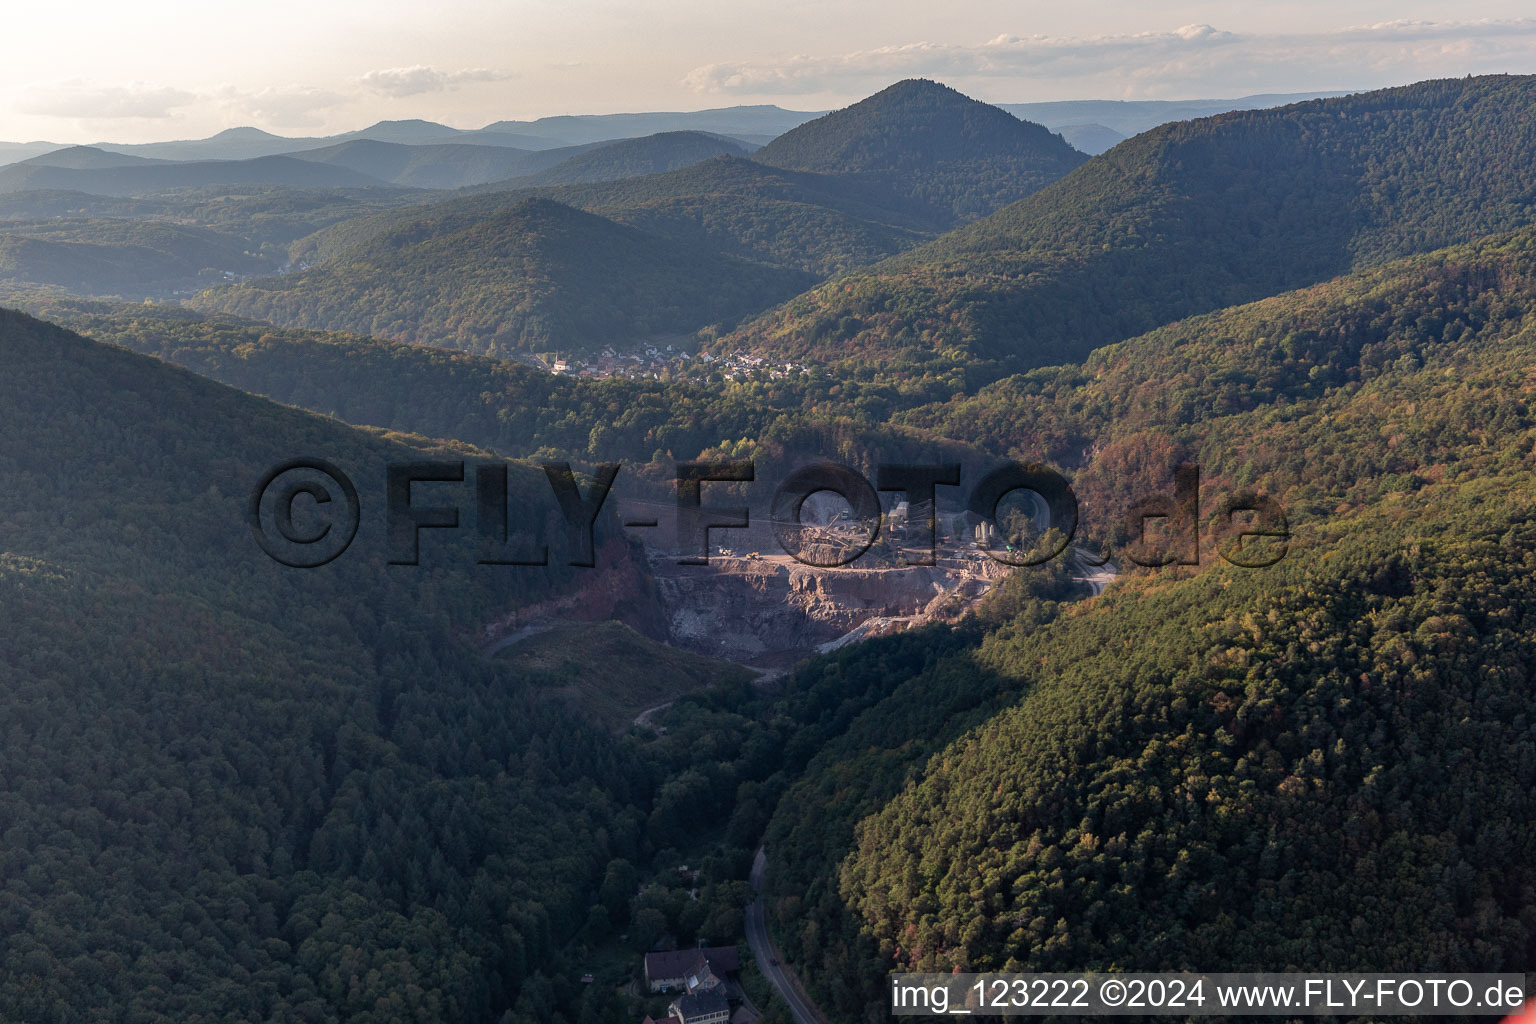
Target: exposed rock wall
(747,610)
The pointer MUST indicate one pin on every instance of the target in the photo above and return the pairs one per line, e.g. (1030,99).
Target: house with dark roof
(690,969)
(703,1007)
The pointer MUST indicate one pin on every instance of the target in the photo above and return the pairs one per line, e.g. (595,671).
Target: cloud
(1192,58)
(103,103)
(297,106)
(423,78)
(279,108)
(290,106)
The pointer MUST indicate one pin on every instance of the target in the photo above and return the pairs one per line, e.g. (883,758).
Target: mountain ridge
(930,143)
(1188,217)
(523,280)
(149,177)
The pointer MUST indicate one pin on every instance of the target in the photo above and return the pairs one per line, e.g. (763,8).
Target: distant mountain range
(827,195)
(756,124)
(156,176)
(633,158)
(1132,117)
(1094,126)
(442,165)
(363,162)
(1090,125)
(506,273)
(753,125)
(738,207)
(88,158)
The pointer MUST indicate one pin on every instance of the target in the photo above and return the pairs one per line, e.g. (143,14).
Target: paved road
(1097,576)
(781,978)
(643,719)
(492,649)
(765,677)
(1089,569)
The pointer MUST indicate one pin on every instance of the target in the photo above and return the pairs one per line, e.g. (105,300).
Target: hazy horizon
(169,70)
(471,127)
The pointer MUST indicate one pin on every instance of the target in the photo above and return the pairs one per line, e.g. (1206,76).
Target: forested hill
(499,273)
(237,791)
(630,158)
(1186,218)
(738,207)
(117,257)
(84,158)
(1297,394)
(931,144)
(1326,765)
(1248,768)
(446,165)
(536,277)
(150,176)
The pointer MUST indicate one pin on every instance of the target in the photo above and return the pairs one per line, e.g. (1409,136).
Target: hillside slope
(1227,769)
(813,222)
(253,771)
(631,158)
(98,256)
(1186,218)
(536,277)
(1327,764)
(932,145)
(504,405)
(147,177)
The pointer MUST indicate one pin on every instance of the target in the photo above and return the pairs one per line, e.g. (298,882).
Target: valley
(373,791)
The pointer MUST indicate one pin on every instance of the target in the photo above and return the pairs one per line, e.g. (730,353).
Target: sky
(87,71)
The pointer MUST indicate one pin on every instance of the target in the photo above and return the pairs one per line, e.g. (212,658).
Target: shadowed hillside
(538,277)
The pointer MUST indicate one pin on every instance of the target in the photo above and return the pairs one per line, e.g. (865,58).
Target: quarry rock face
(750,609)
(768,609)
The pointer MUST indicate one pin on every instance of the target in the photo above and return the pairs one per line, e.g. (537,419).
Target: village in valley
(658,361)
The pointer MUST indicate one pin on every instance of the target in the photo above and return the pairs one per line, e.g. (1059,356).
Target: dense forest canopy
(1326,767)
(1388,413)
(633,158)
(232,791)
(816,222)
(1186,218)
(931,144)
(538,277)
(240,792)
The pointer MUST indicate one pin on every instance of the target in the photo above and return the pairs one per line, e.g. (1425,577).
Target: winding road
(496,647)
(1097,575)
(1090,570)
(767,956)
(643,719)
